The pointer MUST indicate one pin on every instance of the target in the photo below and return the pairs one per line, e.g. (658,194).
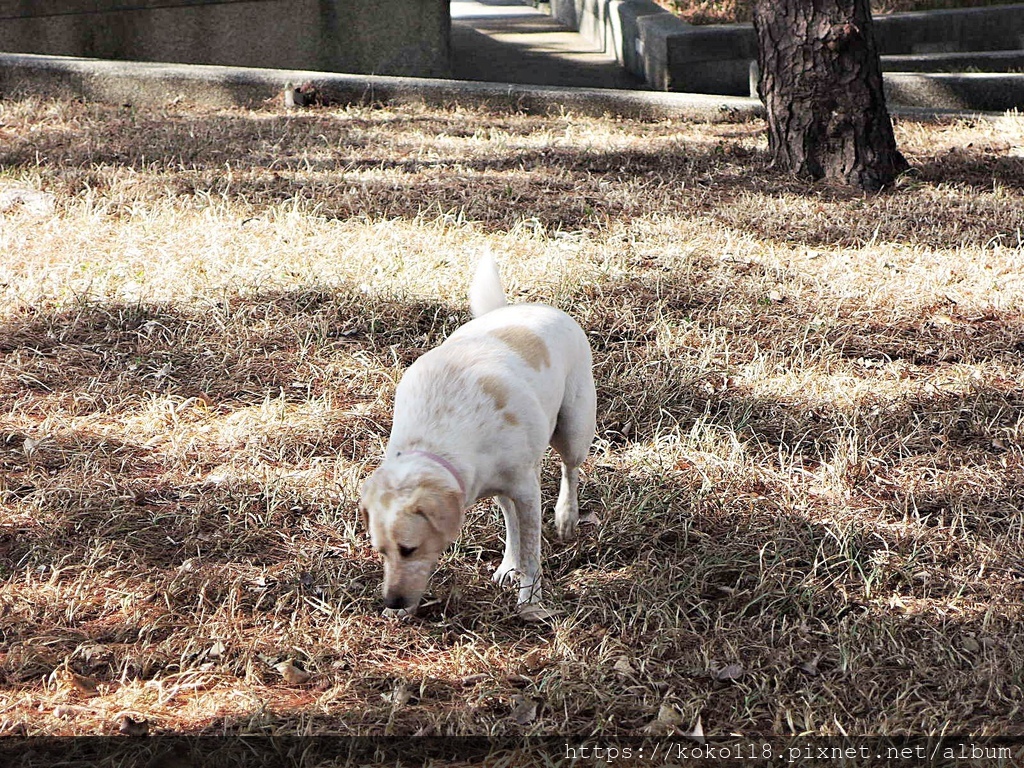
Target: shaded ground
(808,469)
(504,41)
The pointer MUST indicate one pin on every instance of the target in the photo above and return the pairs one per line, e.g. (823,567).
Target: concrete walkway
(508,41)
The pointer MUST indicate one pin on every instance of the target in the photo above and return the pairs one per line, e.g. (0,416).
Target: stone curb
(151,84)
(156,85)
(988,62)
(984,92)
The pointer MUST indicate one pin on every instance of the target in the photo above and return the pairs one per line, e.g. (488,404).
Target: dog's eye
(406,551)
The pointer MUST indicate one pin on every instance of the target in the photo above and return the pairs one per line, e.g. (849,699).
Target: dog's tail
(486,292)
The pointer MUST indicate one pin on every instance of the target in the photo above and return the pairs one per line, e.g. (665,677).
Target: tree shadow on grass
(835,613)
(821,613)
(979,173)
(695,566)
(238,348)
(726,325)
(158,481)
(388,165)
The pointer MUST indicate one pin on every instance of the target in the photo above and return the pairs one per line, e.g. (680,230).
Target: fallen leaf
(132,727)
(70,711)
(525,710)
(697,734)
(399,696)
(216,650)
(535,612)
(623,667)
(667,722)
(729,673)
(292,674)
(897,602)
(536,659)
(810,667)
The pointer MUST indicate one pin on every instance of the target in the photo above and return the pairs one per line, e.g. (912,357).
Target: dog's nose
(396,602)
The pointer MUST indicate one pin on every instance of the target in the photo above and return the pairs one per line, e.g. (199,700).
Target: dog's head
(412,514)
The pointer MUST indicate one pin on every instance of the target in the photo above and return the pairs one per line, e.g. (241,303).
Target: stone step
(970,61)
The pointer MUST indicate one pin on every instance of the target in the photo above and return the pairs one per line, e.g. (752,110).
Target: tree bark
(821,83)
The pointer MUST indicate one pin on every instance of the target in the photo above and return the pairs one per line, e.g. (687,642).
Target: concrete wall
(614,24)
(391,37)
(672,55)
(994,28)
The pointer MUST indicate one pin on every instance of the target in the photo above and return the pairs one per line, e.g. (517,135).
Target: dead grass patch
(809,466)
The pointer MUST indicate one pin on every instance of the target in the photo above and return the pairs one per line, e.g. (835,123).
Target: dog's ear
(442,507)
(365,493)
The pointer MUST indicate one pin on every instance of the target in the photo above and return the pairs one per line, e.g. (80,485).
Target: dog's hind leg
(573,435)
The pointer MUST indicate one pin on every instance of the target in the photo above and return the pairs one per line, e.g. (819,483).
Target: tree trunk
(821,83)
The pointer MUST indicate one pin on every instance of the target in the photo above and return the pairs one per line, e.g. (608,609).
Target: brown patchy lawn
(808,468)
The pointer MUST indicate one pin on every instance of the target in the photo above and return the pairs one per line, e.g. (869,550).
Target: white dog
(473,419)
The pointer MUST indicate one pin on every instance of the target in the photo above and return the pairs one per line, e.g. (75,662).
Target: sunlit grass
(808,469)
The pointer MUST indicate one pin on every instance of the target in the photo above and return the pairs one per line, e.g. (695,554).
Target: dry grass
(809,464)
(732,11)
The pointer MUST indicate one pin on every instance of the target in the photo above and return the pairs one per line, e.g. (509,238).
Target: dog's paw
(565,527)
(505,574)
(398,613)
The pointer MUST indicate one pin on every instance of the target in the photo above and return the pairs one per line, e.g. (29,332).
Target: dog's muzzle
(397,602)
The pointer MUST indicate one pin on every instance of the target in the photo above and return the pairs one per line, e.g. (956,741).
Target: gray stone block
(717,59)
(980,61)
(625,17)
(401,37)
(568,12)
(681,57)
(981,92)
(991,28)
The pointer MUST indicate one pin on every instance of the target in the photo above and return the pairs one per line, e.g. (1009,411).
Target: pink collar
(444,463)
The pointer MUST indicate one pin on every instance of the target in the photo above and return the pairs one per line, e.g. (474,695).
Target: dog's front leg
(527,504)
(508,571)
